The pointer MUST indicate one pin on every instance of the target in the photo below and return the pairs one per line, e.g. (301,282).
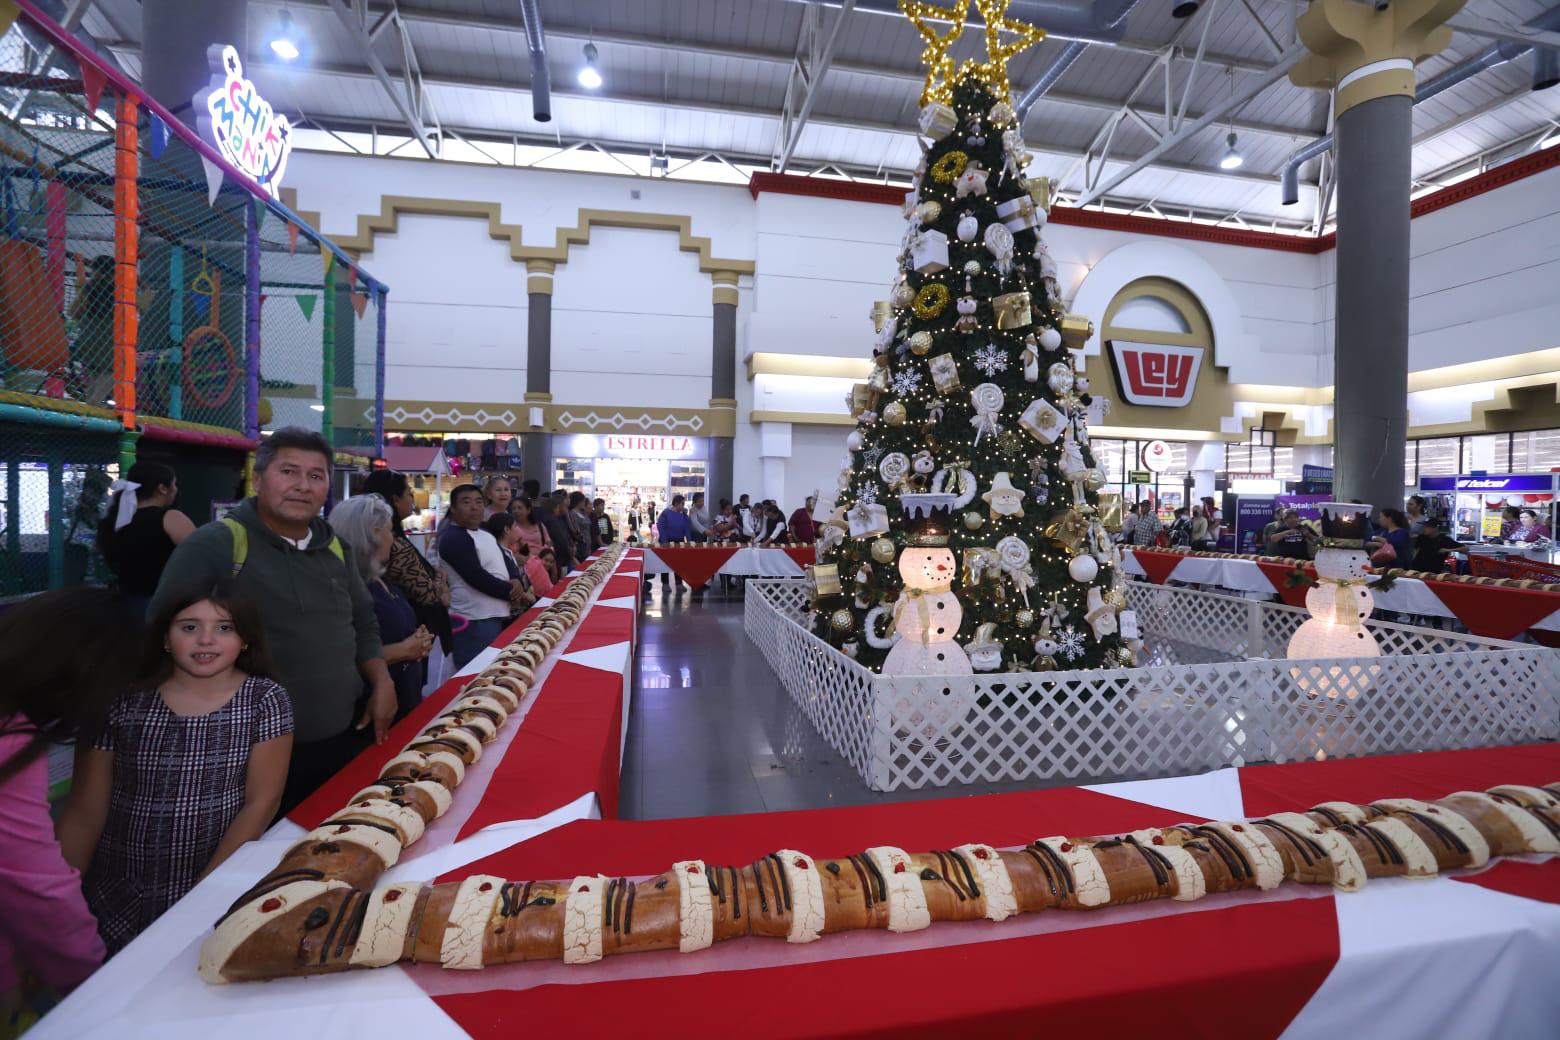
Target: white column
(1202,462)
(774,450)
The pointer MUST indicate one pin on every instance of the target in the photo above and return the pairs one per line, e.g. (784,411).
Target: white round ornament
(999,241)
(1083,569)
(920,343)
(894,467)
(1014,552)
(1060,378)
(1050,339)
(902,295)
(987,397)
(968,227)
(854,441)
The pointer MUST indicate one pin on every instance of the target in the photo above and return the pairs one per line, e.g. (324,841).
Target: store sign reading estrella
(647,446)
(247,131)
(1156,374)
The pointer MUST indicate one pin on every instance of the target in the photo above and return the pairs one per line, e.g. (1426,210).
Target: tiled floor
(712,732)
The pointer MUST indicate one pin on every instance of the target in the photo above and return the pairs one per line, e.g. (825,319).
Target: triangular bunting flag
(292,238)
(261,209)
(263,298)
(327,258)
(92,82)
(306,305)
(351,275)
(159,135)
(8,13)
(359,302)
(213,180)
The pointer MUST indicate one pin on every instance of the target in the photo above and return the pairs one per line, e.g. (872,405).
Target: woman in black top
(141,529)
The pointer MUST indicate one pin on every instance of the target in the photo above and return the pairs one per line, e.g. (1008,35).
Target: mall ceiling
(1140,122)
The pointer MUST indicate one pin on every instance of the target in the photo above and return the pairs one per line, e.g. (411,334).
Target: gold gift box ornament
(825,578)
(1076,330)
(1011,310)
(1040,192)
(882,310)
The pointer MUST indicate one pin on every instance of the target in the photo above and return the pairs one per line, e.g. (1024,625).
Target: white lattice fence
(1183,713)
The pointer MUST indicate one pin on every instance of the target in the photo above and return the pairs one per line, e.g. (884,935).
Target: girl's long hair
(223,593)
(65,655)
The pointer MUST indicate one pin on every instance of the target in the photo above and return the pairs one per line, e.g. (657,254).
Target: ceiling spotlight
(1232,159)
(590,76)
(284,39)
(1185,8)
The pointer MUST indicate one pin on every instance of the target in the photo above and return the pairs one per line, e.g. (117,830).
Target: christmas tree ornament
(934,411)
(864,595)
(920,343)
(1117,599)
(1024,618)
(1004,499)
(973,135)
(1124,656)
(1100,615)
(1050,339)
(1047,265)
(1094,479)
(906,382)
(1045,643)
(867,519)
(945,373)
(991,359)
(967,306)
(1031,359)
(894,413)
(929,253)
(1011,310)
(993,71)
(854,441)
(869,629)
(902,295)
(878,380)
(928,615)
(987,399)
(1043,663)
(882,318)
(1013,552)
(937,121)
(1076,330)
(922,466)
(1001,114)
(1018,214)
(971,180)
(825,578)
(974,521)
(1039,189)
(927,212)
(833,532)
(1070,643)
(894,468)
(999,243)
(863,399)
(1059,377)
(1081,385)
(1042,421)
(958,481)
(950,168)
(931,300)
(912,200)
(842,620)
(850,648)
(968,227)
(984,651)
(1127,622)
(1010,444)
(1083,568)
(883,550)
(972,267)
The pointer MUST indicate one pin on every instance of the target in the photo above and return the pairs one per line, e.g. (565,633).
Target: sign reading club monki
(247,131)
(1159,375)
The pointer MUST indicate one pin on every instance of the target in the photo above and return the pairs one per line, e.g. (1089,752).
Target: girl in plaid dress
(189,767)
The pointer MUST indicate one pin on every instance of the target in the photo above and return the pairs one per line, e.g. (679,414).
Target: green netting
(53,491)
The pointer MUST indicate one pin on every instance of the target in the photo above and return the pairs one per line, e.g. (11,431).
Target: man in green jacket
(319,621)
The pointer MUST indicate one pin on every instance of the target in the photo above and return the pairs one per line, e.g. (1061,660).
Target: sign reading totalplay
(247,131)
(1156,374)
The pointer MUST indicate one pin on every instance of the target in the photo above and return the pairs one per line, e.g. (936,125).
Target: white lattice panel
(1216,691)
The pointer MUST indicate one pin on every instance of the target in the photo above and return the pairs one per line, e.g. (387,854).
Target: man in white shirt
(480,587)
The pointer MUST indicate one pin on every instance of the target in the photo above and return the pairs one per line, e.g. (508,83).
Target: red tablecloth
(696,565)
(1279,574)
(1495,611)
(1158,565)
(1539,881)
(804,555)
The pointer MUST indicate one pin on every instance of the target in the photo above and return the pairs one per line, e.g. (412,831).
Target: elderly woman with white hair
(364,524)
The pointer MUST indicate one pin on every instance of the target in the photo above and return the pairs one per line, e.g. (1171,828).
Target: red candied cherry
(343,829)
(486,886)
(1431,808)
(270,905)
(801,864)
(693,868)
(1067,846)
(363,802)
(584,888)
(982,854)
(1159,839)
(899,868)
(1237,827)
(392,895)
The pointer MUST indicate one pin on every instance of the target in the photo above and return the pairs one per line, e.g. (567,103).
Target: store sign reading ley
(1159,375)
(247,131)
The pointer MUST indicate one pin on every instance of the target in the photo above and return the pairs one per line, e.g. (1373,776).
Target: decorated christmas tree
(966,533)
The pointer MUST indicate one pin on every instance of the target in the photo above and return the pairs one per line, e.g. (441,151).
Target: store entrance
(623,481)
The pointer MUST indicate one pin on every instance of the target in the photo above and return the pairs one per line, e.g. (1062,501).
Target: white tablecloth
(746,562)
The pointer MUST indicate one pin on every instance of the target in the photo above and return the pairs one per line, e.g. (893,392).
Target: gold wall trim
(392,207)
(723,402)
(764,363)
(510,418)
(537,397)
(725,294)
(804,418)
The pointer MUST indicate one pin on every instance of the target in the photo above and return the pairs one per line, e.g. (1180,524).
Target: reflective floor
(711,731)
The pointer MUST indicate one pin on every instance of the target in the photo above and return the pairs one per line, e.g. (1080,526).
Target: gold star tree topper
(939,65)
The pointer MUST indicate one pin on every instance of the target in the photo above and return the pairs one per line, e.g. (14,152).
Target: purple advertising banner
(1254,512)
(1494,485)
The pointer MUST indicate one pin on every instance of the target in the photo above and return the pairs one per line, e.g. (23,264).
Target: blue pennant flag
(159,135)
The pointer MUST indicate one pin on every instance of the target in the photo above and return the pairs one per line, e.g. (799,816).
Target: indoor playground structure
(155,301)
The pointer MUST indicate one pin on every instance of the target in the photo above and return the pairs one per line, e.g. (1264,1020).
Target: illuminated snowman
(1340,603)
(927,614)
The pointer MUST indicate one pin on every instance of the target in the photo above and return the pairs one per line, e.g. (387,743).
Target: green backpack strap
(241,545)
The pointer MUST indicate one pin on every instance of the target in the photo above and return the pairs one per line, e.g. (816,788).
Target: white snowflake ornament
(905,382)
(991,359)
(1069,643)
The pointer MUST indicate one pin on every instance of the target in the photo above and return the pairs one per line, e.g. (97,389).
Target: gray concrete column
(1370,416)
(723,384)
(536,444)
(175,35)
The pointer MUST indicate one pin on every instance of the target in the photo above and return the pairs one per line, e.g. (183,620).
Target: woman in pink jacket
(65,656)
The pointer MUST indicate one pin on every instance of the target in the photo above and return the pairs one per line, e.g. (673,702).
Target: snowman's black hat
(927,518)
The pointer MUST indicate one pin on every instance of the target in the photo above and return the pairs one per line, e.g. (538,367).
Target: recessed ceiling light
(284,38)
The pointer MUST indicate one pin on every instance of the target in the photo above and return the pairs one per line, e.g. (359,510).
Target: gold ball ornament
(894,413)
(883,550)
(1024,618)
(1094,480)
(931,300)
(921,344)
(841,620)
(902,295)
(1116,599)
(948,168)
(972,267)
(928,212)
(1124,656)
(974,521)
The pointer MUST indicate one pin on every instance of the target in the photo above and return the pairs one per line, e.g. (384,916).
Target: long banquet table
(1475,954)
(1499,612)
(697,564)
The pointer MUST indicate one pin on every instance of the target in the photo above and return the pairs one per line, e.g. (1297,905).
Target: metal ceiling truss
(407,92)
(75,11)
(814,54)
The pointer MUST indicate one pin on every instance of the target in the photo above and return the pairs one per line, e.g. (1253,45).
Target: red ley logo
(1155,374)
